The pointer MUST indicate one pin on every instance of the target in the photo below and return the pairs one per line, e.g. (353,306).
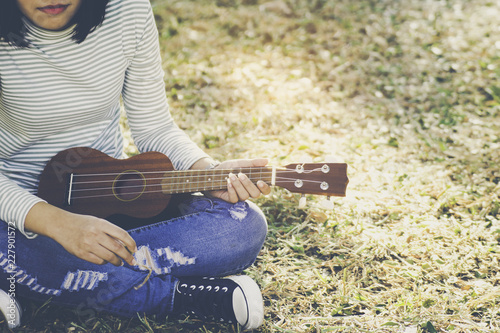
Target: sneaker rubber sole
(11,310)
(249,298)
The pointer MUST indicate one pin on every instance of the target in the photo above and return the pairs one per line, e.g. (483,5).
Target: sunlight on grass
(405,92)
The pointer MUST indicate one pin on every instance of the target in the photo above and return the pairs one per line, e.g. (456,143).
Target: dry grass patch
(405,92)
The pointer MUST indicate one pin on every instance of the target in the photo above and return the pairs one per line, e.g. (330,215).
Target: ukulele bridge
(70,189)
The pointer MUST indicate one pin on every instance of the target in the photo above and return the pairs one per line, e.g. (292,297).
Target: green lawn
(408,94)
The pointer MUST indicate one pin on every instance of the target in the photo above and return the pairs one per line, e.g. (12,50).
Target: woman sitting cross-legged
(64,67)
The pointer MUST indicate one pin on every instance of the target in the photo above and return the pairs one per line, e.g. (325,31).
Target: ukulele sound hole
(129,186)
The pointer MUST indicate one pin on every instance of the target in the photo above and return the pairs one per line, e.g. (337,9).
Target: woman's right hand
(87,237)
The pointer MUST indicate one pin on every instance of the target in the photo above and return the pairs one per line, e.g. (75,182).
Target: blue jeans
(210,238)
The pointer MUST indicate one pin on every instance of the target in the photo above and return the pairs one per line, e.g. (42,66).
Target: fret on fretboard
(189,181)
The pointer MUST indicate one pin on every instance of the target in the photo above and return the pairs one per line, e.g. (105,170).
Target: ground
(407,94)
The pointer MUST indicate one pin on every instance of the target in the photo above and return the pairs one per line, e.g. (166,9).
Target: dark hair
(12,30)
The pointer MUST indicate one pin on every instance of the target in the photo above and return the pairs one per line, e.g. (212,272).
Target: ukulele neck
(190,181)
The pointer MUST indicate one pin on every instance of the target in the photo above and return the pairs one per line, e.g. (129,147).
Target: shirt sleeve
(15,203)
(145,101)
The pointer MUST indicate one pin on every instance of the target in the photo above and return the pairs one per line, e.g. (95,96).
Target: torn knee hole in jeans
(22,277)
(160,261)
(238,211)
(88,280)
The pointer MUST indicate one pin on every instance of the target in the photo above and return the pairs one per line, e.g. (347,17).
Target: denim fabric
(210,238)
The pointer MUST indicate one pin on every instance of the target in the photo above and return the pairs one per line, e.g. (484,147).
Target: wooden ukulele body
(131,192)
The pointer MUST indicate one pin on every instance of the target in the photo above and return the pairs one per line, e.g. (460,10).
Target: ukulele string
(177,181)
(190,177)
(250,169)
(178,190)
(263,170)
(148,189)
(186,179)
(185,176)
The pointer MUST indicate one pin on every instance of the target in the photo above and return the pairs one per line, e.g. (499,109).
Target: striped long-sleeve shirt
(58,94)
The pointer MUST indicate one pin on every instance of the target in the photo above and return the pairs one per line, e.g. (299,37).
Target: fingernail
(241,176)
(134,262)
(232,177)
(121,264)
(260,183)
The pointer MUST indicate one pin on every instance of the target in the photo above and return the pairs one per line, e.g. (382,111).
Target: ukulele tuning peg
(327,203)
(302,202)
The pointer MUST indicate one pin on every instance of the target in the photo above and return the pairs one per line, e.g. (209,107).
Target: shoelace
(207,301)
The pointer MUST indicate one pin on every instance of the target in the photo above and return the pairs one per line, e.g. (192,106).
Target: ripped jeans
(210,238)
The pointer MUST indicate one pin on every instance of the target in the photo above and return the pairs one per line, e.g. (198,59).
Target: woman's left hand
(240,187)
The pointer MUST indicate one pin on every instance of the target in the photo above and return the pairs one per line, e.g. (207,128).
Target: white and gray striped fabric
(57,94)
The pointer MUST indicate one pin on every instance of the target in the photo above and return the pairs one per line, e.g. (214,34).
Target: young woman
(64,65)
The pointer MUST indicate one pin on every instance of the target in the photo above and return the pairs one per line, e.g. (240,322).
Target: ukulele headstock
(328,179)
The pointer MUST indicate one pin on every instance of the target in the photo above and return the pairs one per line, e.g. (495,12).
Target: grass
(407,93)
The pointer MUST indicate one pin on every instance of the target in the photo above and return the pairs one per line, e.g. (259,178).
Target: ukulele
(87,181)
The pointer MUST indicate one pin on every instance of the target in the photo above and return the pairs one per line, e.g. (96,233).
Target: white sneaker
(11,309)
(236,299)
